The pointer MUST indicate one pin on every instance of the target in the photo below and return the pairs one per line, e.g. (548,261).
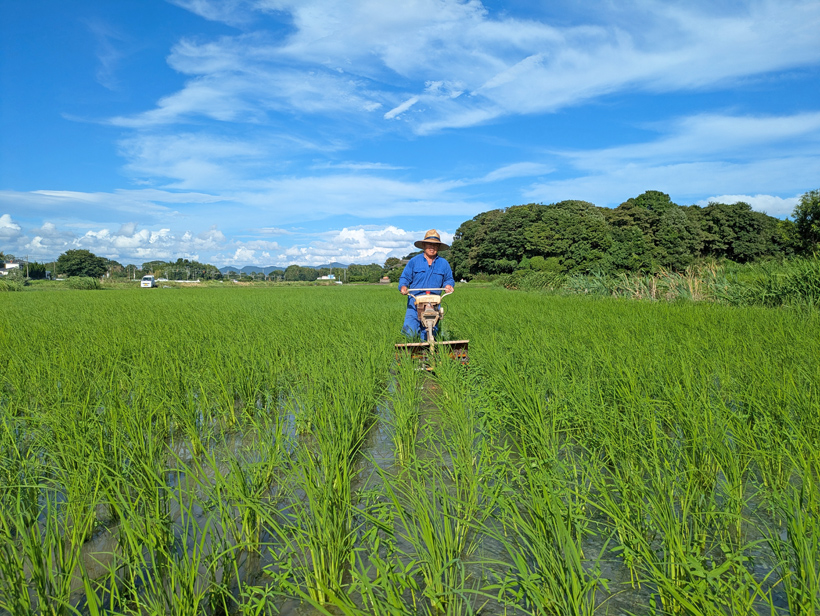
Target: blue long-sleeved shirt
(418,274)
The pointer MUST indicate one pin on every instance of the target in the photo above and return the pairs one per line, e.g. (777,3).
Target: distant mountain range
(255,269)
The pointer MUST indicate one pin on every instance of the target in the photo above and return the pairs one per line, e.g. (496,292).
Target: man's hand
(448,288)
(404,290)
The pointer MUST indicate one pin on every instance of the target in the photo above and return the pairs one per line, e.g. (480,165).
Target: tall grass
(794,282)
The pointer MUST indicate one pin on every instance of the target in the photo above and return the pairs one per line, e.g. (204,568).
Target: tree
(806,216)
(679,239)
(36,271)
(738,233)
(81,263)
(364,273)
(575,232)
(632,250)
(299,272)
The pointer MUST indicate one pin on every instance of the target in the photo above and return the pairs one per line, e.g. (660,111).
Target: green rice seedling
(772,458)
(21,474)
(322,525)
(37,563)
(427,519)
(735,463)
(404,409)
(799,554)
(79,476)
(622,494)
(379,579)
(192,424)
(141,501)
(617,403)
(249,485)
(321,530)
(548,573)
(477,464)
(177,577)
(239,484)
(441,503)
(692,571)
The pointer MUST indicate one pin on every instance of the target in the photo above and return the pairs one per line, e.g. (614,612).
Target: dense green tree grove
(182,269)
(81,262)
(644,234)
(807,220)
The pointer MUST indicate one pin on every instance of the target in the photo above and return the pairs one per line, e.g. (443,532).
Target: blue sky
(271,132)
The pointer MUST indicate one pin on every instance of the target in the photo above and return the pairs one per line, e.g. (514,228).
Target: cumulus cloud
(128,242)
(362,244)
(357,244)
(9,230)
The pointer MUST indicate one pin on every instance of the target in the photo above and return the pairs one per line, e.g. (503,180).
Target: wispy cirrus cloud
(708,154)
(458,63)
(109,42)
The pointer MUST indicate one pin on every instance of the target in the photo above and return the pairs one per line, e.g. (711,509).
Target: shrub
(10,284)
(83,283)
(529,280)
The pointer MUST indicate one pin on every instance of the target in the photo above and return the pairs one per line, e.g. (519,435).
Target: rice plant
(215,447)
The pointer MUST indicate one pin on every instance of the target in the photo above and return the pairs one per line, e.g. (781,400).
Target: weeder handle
(443,295)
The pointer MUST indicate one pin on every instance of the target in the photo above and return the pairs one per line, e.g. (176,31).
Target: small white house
(328,277)
(7,267)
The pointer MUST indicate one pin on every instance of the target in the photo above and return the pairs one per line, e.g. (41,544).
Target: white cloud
(9,230)
(700,155)
(713,136)
(398,110)
(517,170)
(683,181)
(108,53)
(360,244)
(358,166)
(200,161)
(128,242)
(242,256)
(274,231)
(463,63)
(768,204)
(146,203)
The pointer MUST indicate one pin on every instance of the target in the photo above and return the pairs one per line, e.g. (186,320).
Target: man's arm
(406,278)
(449,281)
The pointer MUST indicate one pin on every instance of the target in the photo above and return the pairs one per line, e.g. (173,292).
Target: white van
(148,282)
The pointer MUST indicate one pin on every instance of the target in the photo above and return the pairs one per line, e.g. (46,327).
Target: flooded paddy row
(239,452)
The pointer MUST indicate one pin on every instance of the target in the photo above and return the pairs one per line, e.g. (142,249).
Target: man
(424,271)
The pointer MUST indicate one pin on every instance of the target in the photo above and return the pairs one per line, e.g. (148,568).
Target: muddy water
(189,518)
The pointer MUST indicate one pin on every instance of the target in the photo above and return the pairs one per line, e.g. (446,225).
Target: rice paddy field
(251,451)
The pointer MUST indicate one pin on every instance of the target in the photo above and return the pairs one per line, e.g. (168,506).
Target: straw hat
(431,237)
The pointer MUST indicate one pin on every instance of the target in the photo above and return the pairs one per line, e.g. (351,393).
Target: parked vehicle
(148,282)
